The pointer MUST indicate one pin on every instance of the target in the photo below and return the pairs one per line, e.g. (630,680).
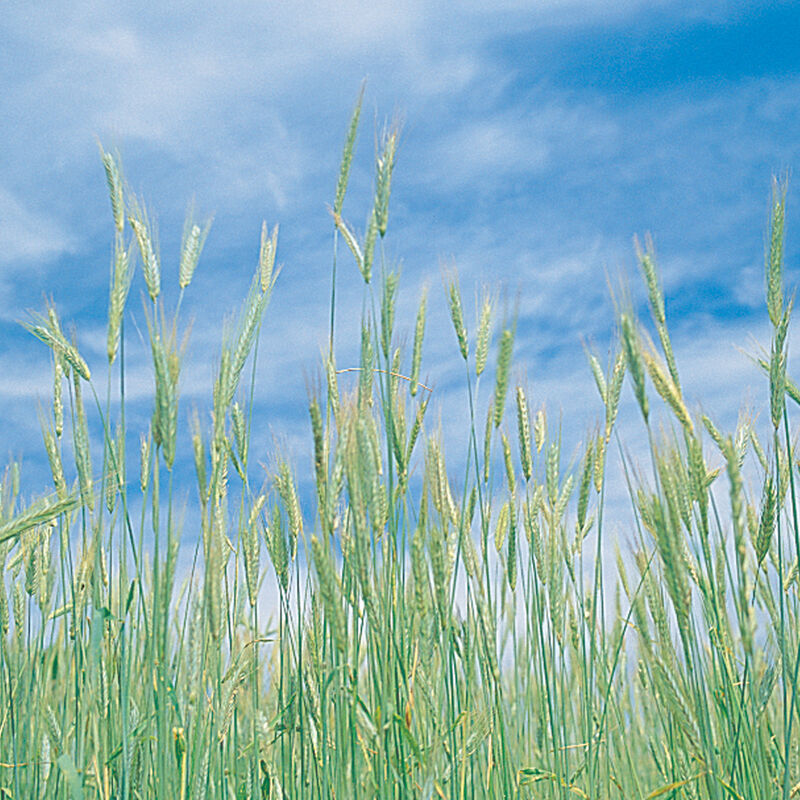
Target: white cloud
(27,236)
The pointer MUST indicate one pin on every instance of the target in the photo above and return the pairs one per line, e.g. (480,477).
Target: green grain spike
(347,154)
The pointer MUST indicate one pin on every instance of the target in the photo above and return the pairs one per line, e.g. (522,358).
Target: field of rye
(437,634)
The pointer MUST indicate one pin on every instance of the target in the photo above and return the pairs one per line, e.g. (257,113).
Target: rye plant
(403,629)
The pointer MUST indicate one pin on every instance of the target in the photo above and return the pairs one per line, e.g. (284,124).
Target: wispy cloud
(28,238)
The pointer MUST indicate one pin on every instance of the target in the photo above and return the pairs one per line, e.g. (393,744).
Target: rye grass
(430,634)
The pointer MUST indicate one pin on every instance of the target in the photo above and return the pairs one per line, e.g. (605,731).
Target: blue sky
(538,138)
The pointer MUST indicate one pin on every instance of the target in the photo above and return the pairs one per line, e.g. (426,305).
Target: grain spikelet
(551,471)
(48,330)
(356,452)
(555,589)
(266,258)
(69,349)
(783,476)
(667,390)
(699,483)
(333,388)
(739,526)
(792,575)
(165,415)
(368,464)
(774,257)
(331,593)
(758,449)
(194,237)
(419,333)
(614,391)
(231,692)
(583,491)
(468,551)
(457,317)
(250,543)
(487,442)
(530,518)
(371,454)
(199,451)
(351,241)
(336,483)
(80,438)
(677,477)
(112,477)
(563,497)
(239,425)
(511,555)
(56,466)
(439,562)
(146,239)
(633,357)
(741,440)
(369,246)
(419,565)
(655,293)
(387,311)
(599,377)
(359,554)
(524,431)
(540,429)
(383,178)
(30,556)
(58,395)
(395,375)
(501,526)
(669,355)
(715,435)
(145,444)
(416,428)
(118,295)
(18,606)
(777,384)
(365,376)
(320,453)
(508,463)
(114,181)
(347,154)
(251,316)
(437,479)
(484,329)
(287,490)
(621,571)
(655,599)
(469,512)
(666,523)
(276,547)
(656,297)
(501,377)
(398,425)
(53,728)
(752,520)
(696,469)
(736,497)
(220,399)
(599,462)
